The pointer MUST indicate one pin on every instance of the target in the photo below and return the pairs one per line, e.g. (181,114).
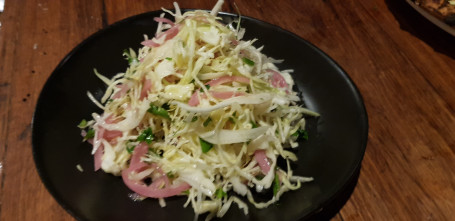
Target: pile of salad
(199,113)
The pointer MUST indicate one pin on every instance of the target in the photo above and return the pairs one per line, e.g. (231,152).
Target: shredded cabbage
(200,130)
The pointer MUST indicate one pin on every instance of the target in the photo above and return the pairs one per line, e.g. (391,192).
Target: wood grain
(402,64)
(35,36)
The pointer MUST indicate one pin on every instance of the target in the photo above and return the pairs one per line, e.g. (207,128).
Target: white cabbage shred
(247,117)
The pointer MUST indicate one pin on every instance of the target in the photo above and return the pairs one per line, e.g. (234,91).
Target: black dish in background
(433,19)
(332,155)
(411,21)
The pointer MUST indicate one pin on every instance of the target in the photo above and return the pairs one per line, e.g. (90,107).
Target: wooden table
(403,65)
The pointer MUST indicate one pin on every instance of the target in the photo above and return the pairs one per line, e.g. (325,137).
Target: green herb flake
(186,192)
(130,148)
(253,124)
(146,136)
(194,119)
(219,193)
(301,134)
(159,111)
(276,184)
(90,134)
(206,122)
(206,86)
(248,61)
(128,56)
(170,174)
(305,135)
(168,58)
(82,124)
(205,146)
(131,60)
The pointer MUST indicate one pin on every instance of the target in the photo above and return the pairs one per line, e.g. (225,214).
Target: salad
(199,113)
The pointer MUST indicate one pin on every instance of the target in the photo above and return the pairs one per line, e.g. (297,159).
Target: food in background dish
(442,9)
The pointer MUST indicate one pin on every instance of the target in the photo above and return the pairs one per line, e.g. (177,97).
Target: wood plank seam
(104,23)
(5,91)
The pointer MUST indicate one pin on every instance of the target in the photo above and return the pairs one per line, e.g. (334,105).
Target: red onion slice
(98,157)
(153,190)
(194,100)
(263,161)
(225,94)
(123,89)
(146,86)
(164,20)
(277,79)
(227,79)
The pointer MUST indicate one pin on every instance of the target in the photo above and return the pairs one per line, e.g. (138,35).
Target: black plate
(433,19)
(332,155)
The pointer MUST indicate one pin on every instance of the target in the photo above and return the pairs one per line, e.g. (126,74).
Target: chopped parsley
(146,136)
(206,86)
(276,185)
(301,134)
(159,111)
(128,56)
(248,61)
(206,122)
(170,174)
(253,124)
(130,148)
(194,119)
(205,146)
(219,193)
(90,134)
(82,124)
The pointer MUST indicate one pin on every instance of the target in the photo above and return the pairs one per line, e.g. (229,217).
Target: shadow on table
(338,201)
(414,23)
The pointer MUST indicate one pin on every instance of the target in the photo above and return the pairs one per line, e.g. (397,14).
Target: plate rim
(316,208)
